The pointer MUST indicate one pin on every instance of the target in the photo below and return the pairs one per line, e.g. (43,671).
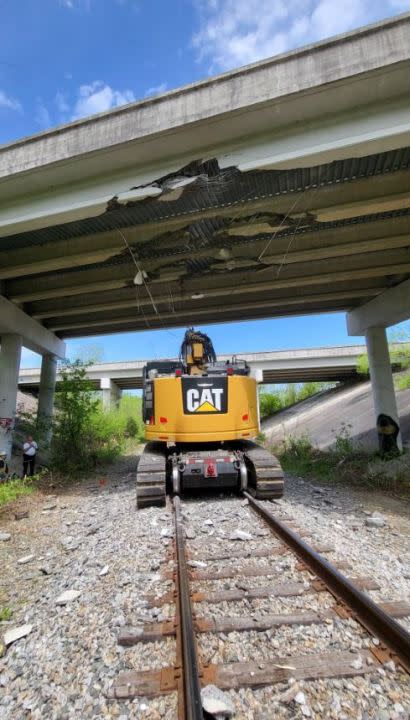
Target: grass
(5,614)
(347,464)
(14,489)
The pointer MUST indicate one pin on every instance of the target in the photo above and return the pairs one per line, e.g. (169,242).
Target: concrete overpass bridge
(277,189)
(279,366)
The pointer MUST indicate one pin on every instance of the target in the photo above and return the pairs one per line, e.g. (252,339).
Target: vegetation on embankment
(13,489)
(282,396)
(345,463)
(84,434)
(399,350)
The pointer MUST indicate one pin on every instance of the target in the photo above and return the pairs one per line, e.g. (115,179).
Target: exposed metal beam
(340,250)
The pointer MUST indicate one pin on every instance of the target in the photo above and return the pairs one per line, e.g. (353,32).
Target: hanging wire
(140,270)
(287,251)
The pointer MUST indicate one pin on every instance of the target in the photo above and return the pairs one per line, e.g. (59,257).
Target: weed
(5,614)
(13,489)
(346,463)
(343,440)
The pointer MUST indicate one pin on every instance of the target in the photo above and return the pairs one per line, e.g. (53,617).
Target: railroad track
(388,640)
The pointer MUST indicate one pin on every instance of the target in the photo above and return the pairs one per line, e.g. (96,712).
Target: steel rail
(190,669)
(379,623)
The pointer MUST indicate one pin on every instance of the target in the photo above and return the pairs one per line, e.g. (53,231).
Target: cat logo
(201,397)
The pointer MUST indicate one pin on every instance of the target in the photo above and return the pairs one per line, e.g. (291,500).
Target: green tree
(75,404)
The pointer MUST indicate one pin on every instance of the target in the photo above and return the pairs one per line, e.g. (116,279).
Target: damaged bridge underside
(295,201)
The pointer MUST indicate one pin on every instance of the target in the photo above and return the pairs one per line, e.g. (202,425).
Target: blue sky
(65,59)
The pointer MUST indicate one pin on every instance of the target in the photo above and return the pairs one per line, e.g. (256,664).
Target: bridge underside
(218,245)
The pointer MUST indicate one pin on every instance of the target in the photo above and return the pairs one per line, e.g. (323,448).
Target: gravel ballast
(94,558)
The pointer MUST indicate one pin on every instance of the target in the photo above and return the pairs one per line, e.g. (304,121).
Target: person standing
(29,455)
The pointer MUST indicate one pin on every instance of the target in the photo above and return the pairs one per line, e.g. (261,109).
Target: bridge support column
(111,393)
(46,398)
(384,397)
(10,355)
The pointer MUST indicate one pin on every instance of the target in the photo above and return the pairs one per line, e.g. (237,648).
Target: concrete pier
(10,354)
(46,396)
(384,397)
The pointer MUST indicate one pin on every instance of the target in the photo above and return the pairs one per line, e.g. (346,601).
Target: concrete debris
(67,596)
(17,633)
(216,703)
(357,664)
(25,559)
(50,506)
(240,535)
(190,534)
(197,564)
(70,544)
(103,571)
(300,698)
(390,665)
(375,520)
(4,536)
(45,569)
(167,533)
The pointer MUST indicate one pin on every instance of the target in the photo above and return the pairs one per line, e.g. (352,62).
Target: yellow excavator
(200,416)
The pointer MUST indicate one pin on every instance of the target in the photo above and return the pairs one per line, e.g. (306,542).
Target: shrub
(73,445)
(269,403)
(131,428)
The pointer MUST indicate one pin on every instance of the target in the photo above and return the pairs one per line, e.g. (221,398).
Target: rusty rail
(372,617)
(190,664)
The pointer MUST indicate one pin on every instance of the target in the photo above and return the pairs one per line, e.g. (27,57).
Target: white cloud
(42,115)
(237,32)
(76,4)
(62,103)
(98,97)
(8,102)
(156,90)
